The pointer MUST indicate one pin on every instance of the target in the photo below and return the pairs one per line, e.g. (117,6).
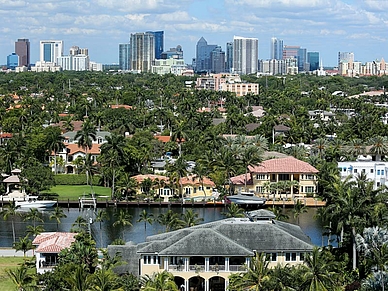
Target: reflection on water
(137,232)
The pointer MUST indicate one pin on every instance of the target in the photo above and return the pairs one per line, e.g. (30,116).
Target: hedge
(74,179)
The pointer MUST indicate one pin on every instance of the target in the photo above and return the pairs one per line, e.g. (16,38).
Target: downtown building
(22,49)
(142,51)
(245,55)
(276,49)
(50,51)
(124,56)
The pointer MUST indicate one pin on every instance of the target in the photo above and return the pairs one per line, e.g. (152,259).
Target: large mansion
(278,178)
(203,257)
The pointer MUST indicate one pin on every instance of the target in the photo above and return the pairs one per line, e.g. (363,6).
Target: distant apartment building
(169,66)
(245,55)
(229,57)
(278,67)
(276,49)
(77,60)
(158,43)
(241,89)
(124,56)
(292,51)
(345,57)
(354,68)
(142,51)
(22,49)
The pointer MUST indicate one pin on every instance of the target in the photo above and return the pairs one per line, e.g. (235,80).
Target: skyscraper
(203,56)
(217,60)
(313,60)
(12,61)
(142,51)
(302,57)
(245,55)
(22,49)
(50,50)
(159,43)
(276,49)
(294,51)
(124,56)
(229,57)
(345,57)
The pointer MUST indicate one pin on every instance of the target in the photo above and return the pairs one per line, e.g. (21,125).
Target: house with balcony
(48,246)
(284,178)
(375,171)
(203,257)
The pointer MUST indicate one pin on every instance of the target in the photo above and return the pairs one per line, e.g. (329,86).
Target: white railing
(176,268)
(217,268)
(237,268)
(197,268)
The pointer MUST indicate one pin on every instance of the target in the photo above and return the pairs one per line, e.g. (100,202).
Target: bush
(76,179)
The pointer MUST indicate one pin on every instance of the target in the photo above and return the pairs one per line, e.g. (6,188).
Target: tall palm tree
(146,218)
(57,215)
(320,271)
(170,220)
(105,280)
(54,143)
(80,224)
(179,134)
(9,211)
(190,218)
(299,208)
(256,278)
(179,168)
(34,215)
(279,214)
(34,230)
(163,281)
(86,136)
(123,219)
(24,244)
(200,171)
(250,156)
(379,146)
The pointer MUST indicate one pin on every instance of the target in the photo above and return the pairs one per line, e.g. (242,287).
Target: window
(301,257)
(371,170)
(284,177)
(261,177)
(188,191)
(363,170)
(273,257)
(259,189)
(290,257)
(309,189)
(378,172)
(309,177)
(382,172)
(355,171)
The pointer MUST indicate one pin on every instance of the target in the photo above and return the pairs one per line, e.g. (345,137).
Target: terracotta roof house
(48,246)
(203,257)
(279,178)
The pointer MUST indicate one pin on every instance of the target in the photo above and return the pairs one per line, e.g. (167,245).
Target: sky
(326,26)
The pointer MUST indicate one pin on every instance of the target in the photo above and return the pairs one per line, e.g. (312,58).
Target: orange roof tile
(53,242)
(121,106)
(141,178)
(240,180)
(74,148)
(194,180)
(163,138)
(283,165)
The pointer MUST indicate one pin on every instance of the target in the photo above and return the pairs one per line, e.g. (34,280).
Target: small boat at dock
(246,198)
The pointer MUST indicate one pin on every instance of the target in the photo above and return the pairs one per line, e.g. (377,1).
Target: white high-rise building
(276,49)
(50,50)
(142,51)
(245,55)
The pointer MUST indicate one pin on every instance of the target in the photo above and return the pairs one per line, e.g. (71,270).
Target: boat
(246,198)
(33,202)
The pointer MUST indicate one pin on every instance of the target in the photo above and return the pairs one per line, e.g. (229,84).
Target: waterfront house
(278,178)
(48,246)
(203,257)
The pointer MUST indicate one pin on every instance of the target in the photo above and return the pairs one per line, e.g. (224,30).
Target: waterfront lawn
(8,263)
(73,192)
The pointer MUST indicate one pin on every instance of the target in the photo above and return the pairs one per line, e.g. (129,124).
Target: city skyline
(101,25)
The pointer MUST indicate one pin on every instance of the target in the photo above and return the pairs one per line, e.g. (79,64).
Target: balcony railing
(217,268)
(197,268)
(176,268)
(237,268)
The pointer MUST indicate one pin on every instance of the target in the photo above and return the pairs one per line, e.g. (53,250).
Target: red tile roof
(194,180)
(284,165)
(121,106)
(74,148)
(53,242)
(163,138)
(141,178)
(240,180)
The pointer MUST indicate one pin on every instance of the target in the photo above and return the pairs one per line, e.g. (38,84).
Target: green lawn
(8,263)
(73,192)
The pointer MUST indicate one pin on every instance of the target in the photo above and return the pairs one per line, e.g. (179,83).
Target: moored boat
(246,198)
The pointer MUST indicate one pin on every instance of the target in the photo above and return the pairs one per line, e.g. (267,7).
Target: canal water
(104,233)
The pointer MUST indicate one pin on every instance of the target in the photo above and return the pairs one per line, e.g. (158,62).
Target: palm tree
(57,215)
(80,279)
(256,278)
(179,135)
(105,280)
(34,230)
(320,271)
(179,168)
(279,215)
(21,278)
(122,219)
(10,211)
(54,143)
(79,225)
(34,215)
(250,156)
(190,218)
(170,220)
(146,218)
(86,136)
(234,210)
(379,146)
(200,171)
(163,281)
(299,208)
(24,244)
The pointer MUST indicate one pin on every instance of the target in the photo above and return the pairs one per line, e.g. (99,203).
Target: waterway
(105,233)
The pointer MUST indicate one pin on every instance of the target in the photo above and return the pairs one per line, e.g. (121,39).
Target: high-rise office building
(294,51)
(12,61)
(159,43)
(203,56)
(22,49)
(124,56)
(313,60)
(229,57)
(217,60)
(302,60)
(142,51)
(50,50)
(345,57)
(245,55)
(276,49)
